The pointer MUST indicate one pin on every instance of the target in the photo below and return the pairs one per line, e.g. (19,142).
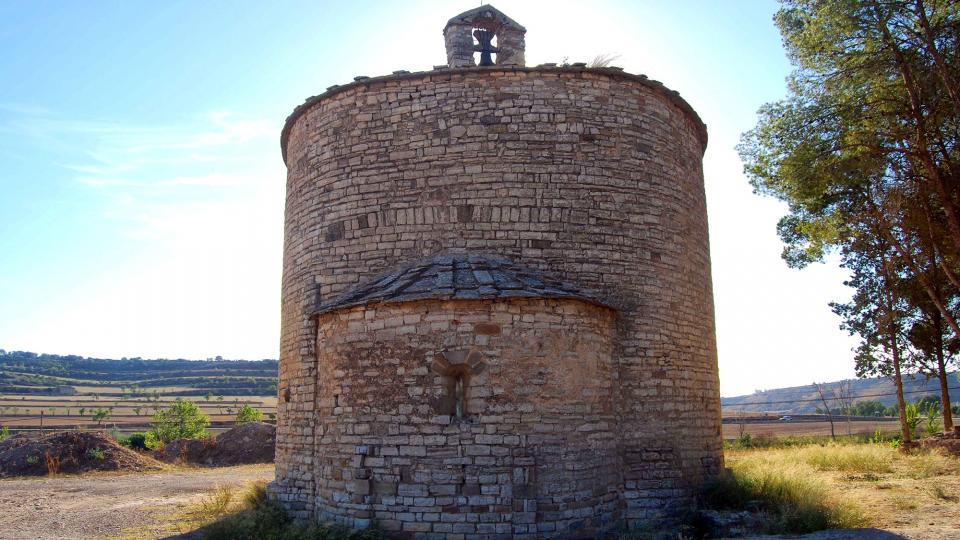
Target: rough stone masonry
(497,315)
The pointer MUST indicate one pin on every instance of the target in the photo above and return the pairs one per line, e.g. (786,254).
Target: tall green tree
(864,152)
(181,420)
(869,112)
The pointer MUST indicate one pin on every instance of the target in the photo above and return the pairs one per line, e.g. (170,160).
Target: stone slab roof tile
(455,277)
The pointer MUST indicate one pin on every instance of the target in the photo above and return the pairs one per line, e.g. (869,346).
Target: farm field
(70,392)
(782,429)
(20,412)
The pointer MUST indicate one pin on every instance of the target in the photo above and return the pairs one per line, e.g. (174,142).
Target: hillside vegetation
(31,373)
(804,399)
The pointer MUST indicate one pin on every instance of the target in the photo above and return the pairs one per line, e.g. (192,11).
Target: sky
(142,186)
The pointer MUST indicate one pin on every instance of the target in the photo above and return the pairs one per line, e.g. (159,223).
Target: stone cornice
(614,73)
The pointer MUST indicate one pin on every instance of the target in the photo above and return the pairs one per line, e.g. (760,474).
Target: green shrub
(743,441)
(248,414)
(4,433)
(32,460)
(931,424)
(182,420)
(141,441)
(912,418)
(96,453)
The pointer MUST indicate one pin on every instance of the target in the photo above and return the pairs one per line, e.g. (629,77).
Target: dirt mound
(948,442)
(252,442)
(69,452)
(16,440)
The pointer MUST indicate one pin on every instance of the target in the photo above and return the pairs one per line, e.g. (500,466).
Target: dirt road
(106,505)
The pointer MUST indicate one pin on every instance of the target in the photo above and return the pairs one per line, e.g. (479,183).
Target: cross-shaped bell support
(485,46)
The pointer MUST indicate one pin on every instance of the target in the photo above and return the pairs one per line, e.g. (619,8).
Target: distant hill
(804,399)
(31,373)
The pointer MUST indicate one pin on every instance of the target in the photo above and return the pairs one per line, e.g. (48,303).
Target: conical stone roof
(455,277)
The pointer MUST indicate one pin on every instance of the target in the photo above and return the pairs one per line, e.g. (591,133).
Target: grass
(245,513)
(794,500)
(803,484)
(259,518)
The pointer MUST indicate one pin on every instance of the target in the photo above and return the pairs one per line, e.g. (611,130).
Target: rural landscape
(481,298)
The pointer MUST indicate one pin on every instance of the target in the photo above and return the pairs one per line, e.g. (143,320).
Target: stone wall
(535,452)
(591,175)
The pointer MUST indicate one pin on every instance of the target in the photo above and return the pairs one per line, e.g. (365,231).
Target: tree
(248,414)
(182,420)
(871,113)
(100,415)
(843,392)
(826,407)
(864,151)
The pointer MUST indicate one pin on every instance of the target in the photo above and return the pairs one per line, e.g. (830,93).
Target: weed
(259,517)
(851,459)
(912,418)
(937,491)
(925,464)
(96,453)
(32,460)
(867,477)
(932,425)
(53,463)
(905,503)
(217,503)
(4,433)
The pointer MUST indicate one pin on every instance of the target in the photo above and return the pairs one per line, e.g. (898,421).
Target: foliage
(870,408)
(865,153)
(745,440)
(96,453)
(913,417)
(248,414)
(931,420)
(140,441)
(31,371)
(100,415)
(4,433)
(32,460)
(182,420)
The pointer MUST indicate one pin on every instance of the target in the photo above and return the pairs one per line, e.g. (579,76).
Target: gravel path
(104,505)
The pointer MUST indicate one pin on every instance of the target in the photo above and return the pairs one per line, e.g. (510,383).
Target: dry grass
(789,490)
(851,484)
(215,504)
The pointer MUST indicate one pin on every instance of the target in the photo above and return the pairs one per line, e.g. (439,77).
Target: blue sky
(142,188)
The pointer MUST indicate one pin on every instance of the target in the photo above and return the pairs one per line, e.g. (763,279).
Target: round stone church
(497,315)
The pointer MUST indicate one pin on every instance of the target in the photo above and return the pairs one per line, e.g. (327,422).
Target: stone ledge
(613,72)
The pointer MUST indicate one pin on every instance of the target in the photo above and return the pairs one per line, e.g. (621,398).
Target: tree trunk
(826,406)
(944,386)
(905,435)
(910,263)
(942,69)
(921,145)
